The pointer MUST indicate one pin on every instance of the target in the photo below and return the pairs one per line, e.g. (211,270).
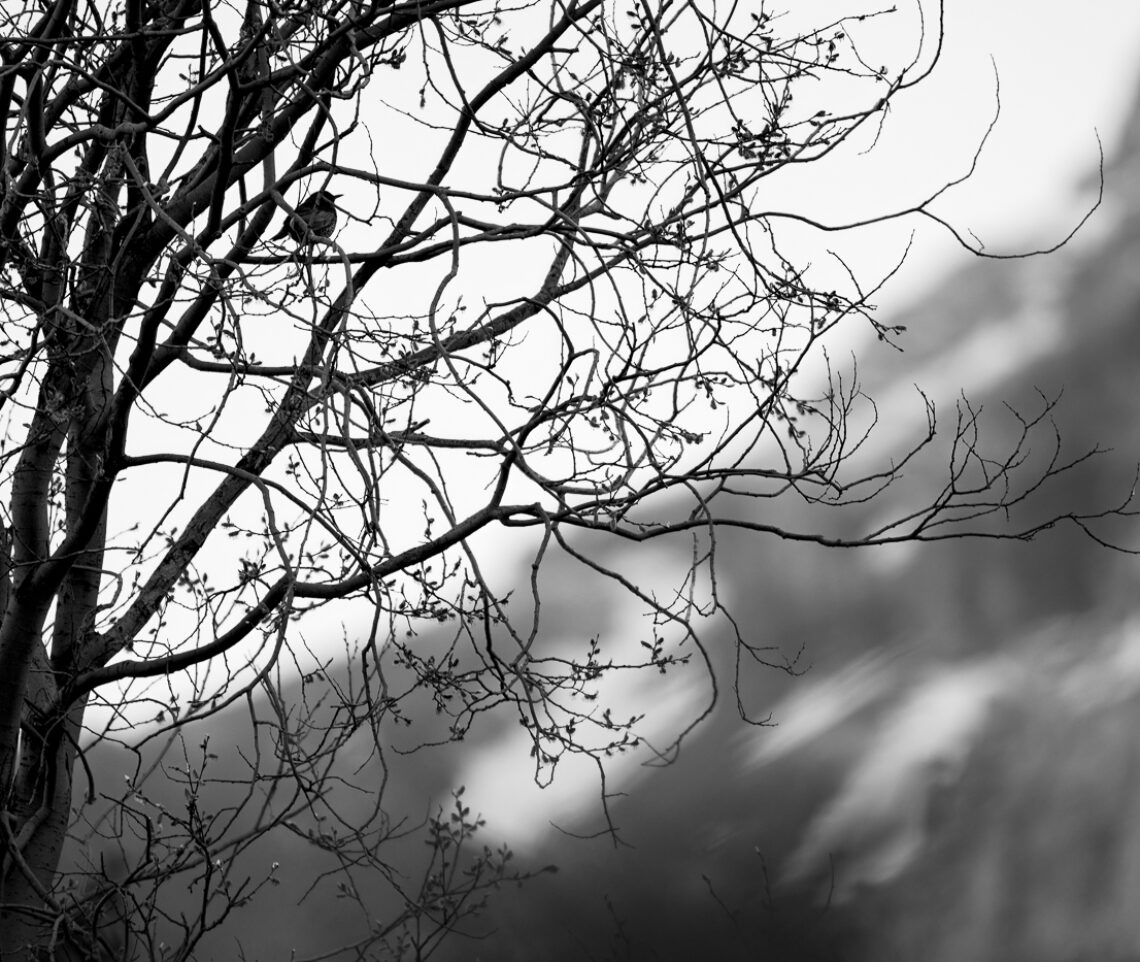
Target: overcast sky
(1066,74)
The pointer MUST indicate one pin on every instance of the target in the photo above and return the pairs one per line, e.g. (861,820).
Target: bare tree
(555,295)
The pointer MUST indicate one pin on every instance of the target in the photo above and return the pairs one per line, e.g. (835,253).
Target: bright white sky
(1065,74)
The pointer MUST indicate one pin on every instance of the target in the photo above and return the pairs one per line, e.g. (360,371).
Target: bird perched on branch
(314,217)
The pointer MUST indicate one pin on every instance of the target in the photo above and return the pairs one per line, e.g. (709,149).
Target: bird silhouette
(314,217)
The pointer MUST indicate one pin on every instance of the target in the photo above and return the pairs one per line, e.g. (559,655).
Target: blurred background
(951,764)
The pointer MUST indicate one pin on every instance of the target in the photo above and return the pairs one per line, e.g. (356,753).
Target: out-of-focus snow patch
(817,706)
(500,783)
(993,352)
(1108,675)
(990,345)
(889,560)
(522,802)
(877,822)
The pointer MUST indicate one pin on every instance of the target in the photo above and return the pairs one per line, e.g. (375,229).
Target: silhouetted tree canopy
(561,296)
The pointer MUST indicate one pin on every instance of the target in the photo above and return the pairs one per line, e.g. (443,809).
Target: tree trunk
(38,916)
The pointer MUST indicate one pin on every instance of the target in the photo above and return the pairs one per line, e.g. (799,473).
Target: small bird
(314,217)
